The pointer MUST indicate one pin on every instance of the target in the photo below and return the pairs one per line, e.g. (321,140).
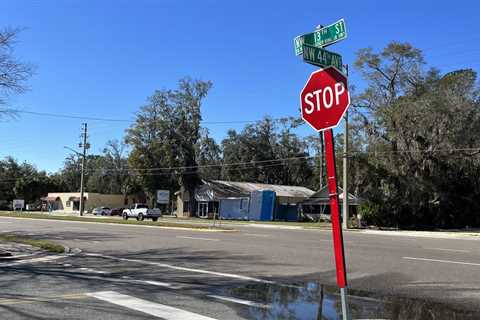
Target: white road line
(135,281)
(452,250)
(357,275)
(256,235)
(33,260)
(196,238)
(240,301)
(160,284)
(89,270)
(169,266)
(444,261)
(18,256)
(148,307)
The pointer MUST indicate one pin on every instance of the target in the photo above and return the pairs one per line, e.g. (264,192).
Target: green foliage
(165,134)
(23,181)
(370,213)
(209,155)
(420,135)
(261,148)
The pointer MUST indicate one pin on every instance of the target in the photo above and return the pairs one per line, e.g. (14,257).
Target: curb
(71,251)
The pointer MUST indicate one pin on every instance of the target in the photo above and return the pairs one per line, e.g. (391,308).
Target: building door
(202,209)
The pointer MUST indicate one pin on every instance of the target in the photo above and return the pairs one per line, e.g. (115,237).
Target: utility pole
(320,160)
(345,171)
(85,145)
(345,174)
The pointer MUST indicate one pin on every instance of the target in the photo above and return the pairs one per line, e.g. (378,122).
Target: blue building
(244,200)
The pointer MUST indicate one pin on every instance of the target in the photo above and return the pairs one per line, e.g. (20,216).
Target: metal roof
(222,189)
(322,197)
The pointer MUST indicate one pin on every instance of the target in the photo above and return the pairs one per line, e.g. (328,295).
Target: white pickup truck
(141,211)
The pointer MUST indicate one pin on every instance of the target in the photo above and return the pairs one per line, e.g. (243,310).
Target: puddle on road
(319,302)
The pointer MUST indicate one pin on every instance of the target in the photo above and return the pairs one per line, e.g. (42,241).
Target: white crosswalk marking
(148,307)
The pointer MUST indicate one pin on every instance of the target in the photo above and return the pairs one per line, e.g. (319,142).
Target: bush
(370,213)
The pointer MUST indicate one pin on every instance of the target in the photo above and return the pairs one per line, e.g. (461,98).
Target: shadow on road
(310,296)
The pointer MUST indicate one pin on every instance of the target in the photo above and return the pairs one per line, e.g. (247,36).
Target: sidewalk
(255,224)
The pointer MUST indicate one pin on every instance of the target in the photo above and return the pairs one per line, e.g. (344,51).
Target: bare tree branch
(13,73)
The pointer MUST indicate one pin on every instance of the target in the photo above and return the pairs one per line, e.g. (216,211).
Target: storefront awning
(76,199)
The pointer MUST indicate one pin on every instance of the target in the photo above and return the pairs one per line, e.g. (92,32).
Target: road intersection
(129,272)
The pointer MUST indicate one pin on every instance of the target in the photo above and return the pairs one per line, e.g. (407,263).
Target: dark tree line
(420,133)
(414,146)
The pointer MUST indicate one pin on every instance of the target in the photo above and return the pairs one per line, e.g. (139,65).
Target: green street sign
(321,57)
(321,37)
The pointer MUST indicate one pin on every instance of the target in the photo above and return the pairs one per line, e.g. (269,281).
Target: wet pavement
(243,275)
(315,301)
(12,250)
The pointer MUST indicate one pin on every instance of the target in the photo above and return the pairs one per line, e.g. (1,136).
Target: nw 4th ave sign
(321,37)
(321,57)
(325,98)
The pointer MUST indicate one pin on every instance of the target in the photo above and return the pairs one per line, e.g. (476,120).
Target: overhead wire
(256,164)
(91,118)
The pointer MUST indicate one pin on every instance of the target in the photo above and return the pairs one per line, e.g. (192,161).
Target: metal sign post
(335,217)
(324,101)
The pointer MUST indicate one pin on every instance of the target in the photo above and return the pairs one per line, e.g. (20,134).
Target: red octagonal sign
(325,98)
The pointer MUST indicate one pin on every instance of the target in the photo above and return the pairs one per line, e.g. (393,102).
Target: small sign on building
(18,204)
(163,196)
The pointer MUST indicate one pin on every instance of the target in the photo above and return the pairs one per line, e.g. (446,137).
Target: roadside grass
(43,244)
(161,223)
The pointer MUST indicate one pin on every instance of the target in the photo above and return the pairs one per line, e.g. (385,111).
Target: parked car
(116,212)
(102,211)
(141,211)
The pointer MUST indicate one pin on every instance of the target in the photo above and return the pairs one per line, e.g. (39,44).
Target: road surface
(138,272)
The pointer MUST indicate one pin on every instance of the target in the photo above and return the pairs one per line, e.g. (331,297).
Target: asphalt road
(137,272)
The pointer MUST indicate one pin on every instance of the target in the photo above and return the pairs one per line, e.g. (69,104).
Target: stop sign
(325,98)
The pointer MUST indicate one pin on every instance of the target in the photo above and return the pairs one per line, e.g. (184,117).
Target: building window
(243,204)
(68,203)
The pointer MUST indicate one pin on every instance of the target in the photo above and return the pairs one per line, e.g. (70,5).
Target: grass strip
(43,244)
(109,220)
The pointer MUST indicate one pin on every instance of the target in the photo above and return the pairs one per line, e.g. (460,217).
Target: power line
(262,162)
(90,118)
(255,164)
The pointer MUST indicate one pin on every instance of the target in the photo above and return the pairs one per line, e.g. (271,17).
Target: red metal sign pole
(335,216)
(334,210)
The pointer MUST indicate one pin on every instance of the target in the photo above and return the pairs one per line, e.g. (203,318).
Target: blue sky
(103,58)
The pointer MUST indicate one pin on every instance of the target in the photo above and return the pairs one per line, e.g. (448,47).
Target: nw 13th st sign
(321,37)
(321,57)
